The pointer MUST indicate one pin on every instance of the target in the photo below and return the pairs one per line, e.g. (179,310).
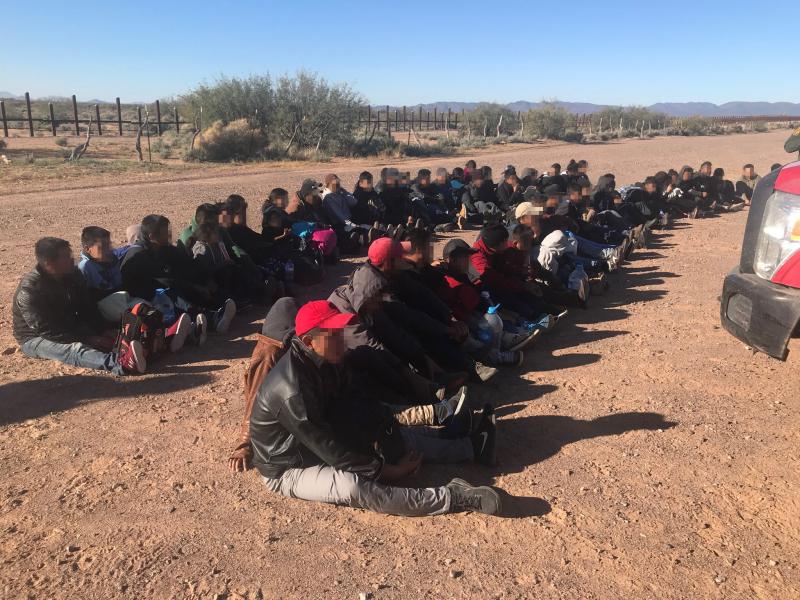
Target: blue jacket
(102,279)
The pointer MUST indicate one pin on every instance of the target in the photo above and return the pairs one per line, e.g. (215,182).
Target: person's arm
(492,278)
(319,438)
(37,315)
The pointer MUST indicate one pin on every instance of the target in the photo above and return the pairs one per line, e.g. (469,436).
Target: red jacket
(495,271)
(461,295)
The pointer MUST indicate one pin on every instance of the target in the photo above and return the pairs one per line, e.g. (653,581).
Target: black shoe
(465,496)
(459,424)
(485,438)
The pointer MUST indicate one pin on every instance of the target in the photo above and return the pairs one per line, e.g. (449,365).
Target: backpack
(145,324)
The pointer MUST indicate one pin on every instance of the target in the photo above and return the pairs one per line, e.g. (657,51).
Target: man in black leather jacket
(54,316)
(301,455)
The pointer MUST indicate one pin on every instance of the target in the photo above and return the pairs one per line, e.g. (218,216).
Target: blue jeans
(76,354)
(592,249)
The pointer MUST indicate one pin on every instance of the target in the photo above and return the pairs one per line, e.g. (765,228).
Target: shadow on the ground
(38,397)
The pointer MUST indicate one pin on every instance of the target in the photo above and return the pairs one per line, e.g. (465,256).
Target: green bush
(61,141)
(549,121)
(760,128)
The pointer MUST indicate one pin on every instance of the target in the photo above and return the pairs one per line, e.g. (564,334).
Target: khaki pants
(323,483)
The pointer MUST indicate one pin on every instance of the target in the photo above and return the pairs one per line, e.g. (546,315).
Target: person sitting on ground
(278,200)
(583,171)
(367,209)
(529,177)
(338,205)
(747,183)
(478,202)
(55,318)
(434,209)
(395,200)
(726,192)
(553,177)
(469,167)
(299,454)
(157,264)
(271,345)
(445,189)
(509,191)
(497,276)
(242,236)
(693,191)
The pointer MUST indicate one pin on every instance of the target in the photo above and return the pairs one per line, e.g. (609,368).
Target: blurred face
(748,172)
(100,250)
(334,185)
(617,200)
(575,196)
(425,181)
(282,202)
(441,179)
(459,263)
(650,187)
(391,181)
(365,184)
(583,169)
(163,237)
(585,191)
(225,219)
(477,181)
(552,171)
(705,169)
(687,175)
(552,202)
(62,265)
(328,344)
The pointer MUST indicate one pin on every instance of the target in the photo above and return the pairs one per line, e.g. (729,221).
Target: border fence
(112,120)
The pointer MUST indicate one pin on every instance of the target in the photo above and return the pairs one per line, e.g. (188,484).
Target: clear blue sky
(410,52)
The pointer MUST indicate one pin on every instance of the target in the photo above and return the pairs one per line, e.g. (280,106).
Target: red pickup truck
(760,301)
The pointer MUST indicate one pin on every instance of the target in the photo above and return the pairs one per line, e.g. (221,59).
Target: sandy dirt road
(645,452)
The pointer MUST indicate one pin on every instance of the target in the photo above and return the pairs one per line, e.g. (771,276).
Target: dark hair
(775,166)
(365,175)
(519,232)
(574,187)
(650,180)
(487,171)
(235,203)
(47,249)
(206,230)
(719,172)
(277,193)
(672,172)
(706,163)
(204,211)
(582,163)
(457,173)
(420,239)
(152,224)
(423,174)
(557,167)
(494,235)
(748,166)
(471,164)
(91,234)
(572,167)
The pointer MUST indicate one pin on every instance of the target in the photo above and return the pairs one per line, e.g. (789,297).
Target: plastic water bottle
(163,303)
(579,281)
(288,272)
(490,329)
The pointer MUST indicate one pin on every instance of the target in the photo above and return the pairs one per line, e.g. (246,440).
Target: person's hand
(533,288)
(408,464)
(240,458)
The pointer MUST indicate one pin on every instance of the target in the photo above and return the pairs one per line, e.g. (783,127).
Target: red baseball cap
(322,314)
(383,249)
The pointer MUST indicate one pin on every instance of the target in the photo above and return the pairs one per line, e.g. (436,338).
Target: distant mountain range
(673,109)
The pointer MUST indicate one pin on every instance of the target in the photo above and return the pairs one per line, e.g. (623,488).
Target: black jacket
(507,196)
(290,426)
(146,268)
(59,310)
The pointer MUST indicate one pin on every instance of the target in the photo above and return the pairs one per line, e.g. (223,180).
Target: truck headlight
(779,237)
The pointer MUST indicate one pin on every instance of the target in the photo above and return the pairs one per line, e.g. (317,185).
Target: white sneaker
(179,331)
(200,329)
(225,315)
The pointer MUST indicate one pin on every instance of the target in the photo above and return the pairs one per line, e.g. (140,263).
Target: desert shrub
(429,150)
(238,140)
(61,141)
(549,121)
(573,135)
(694,126)
(487,116)
(760,128)
(379,144)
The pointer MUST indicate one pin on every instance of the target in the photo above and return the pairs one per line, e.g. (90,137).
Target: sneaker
(458,425)
(448,227)
(462,222)
(131,357)
(736,207)
(518,341)
(458,401)
(200,329)
(224,316)
(467,497)
(502,358)
(695,213)
(484,372)
(559,316)
(485,437)
(178,332)
(420,224)
(373,234)
(399,232)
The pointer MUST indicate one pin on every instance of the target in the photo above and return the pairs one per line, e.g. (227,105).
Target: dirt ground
(644,452)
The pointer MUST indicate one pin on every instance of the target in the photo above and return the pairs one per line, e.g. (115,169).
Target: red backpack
(145,324)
